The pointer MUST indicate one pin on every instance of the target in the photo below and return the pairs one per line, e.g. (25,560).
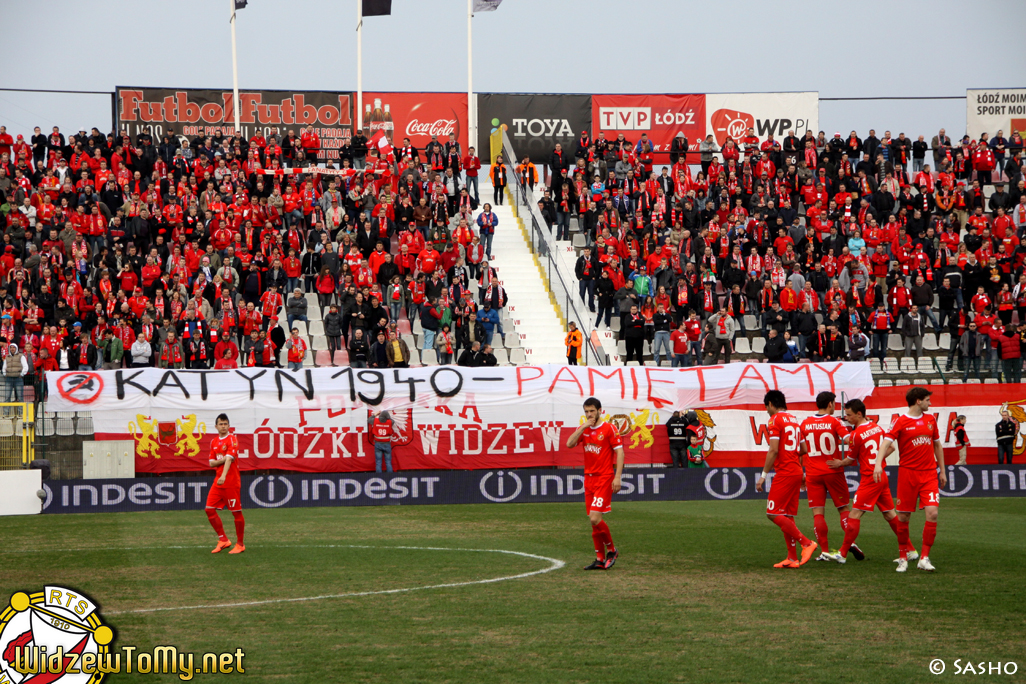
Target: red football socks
(819,524)
(893,522)
(215,522)
(844,519)
(598,539)
(929,535)
(792,535)
(240,526)
(903,539)
(607,536)
(851,533)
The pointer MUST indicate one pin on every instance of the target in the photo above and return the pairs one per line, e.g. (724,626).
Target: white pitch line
(554,564)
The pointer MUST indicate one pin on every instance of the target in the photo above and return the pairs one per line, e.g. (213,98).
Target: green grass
(693,598)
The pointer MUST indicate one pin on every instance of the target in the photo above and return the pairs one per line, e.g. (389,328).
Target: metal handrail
(544,247)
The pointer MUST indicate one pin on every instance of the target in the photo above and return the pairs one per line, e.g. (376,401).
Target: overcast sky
(876,48)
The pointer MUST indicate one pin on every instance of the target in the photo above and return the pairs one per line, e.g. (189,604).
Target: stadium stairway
(539,327)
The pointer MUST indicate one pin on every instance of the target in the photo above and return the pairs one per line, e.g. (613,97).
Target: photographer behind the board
(677,431)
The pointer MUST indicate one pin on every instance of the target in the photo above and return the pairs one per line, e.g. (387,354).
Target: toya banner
(417,116)
(444,417)
(211,112)
(534,123)
(661,117)
(458,487)
(990,111)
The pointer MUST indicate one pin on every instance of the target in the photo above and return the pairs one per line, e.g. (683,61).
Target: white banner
(990,111)
(777,113)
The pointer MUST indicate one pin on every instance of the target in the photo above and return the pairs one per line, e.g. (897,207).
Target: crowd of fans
(832,244)
(123,251)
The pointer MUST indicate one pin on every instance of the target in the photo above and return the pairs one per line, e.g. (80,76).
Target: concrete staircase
(538,323)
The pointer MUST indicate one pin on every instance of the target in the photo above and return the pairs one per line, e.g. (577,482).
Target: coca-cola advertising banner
(444,417)
(534,122)
(194,112)
(417,116)
(662,117)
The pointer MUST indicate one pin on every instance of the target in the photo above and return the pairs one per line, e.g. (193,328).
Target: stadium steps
(538,324)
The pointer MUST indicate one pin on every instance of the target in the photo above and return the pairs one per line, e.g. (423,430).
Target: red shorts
(221,497)
(819,484)
(872,494)
(783,495)
(921,485)
(598,493)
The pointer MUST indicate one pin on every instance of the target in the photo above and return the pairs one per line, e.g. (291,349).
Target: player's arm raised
(572,441)
(771,456)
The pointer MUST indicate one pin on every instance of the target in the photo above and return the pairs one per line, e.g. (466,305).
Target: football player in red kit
(919,455)
(786,447)
(864,450)
(603,466)
(227,488)
(823,435)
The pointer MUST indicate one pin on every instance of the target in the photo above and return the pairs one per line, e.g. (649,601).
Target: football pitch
(693,597)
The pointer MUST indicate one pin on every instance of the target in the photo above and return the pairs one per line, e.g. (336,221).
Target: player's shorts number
(596,502)
(931,498)
(231,502)
(770,504)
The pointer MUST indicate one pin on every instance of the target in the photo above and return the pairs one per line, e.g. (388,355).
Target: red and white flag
(380,143)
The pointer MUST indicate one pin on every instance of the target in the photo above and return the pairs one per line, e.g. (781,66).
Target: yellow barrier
(17,434)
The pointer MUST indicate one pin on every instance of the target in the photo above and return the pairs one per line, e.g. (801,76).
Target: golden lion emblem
(635,425)
(188,440)
(145,434)
(145,431)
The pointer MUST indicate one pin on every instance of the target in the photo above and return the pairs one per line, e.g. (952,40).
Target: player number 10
(827,444)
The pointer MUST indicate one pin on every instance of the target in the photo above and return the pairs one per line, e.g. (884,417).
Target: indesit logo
(277,492)
(59,625)
(501,486)
(953,488)
(724,487)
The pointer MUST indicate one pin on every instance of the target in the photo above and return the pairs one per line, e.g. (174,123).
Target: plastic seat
(621,347)
(885,383)
(758,345)
(313,313)
(319,343)
(517,357)
(580,242)
(429,357)
(512,341)
(501,357)
(322,358)
(907,365)
(972,381)
(742,345)
(403,326)
(891,367)
(84,426)
(341,357)
(316,327)
(497,342)
(418,329)
(46,427)
(875,366)
(945,341)
(6,427)
(308,361)
(926,364)
(903,381)
(955,381)
(990,381)
(751,322)
(311,301)
(614,324)
(65,427)
(930,342)
(894,343)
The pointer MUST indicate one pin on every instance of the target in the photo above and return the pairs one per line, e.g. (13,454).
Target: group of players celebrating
(803,455)
(806,455)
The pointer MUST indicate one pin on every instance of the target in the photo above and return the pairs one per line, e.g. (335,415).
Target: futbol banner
(661,117)
(443,417)
(417,116)
(411,488)
(194,112)
(534,122)
(998,109)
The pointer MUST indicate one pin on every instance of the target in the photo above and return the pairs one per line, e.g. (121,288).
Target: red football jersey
(599,449)
(915,438)
(229,446)
(823,434)
(784,427)
(865,445)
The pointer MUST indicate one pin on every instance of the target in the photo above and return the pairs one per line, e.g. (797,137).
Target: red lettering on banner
(130,104)
(634,382)
(188,112)
(269,114)
(573,379)
(744,374)
(952,417)
(830,374)
(305,113)
(212,112)
(592,372)
(247,107)
(659,403)
(801,367)
(169,109)
(700,371)
(442,408)
(229,106)
(467,410)
(521,379)
(758,432)
(344,119)
(287,111)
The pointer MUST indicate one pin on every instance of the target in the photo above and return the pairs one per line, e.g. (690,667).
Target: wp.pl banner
(444,417)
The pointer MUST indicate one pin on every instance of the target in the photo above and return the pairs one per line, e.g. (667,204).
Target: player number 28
(596,502)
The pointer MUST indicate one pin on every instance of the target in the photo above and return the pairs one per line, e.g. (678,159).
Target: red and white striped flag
(379,142)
